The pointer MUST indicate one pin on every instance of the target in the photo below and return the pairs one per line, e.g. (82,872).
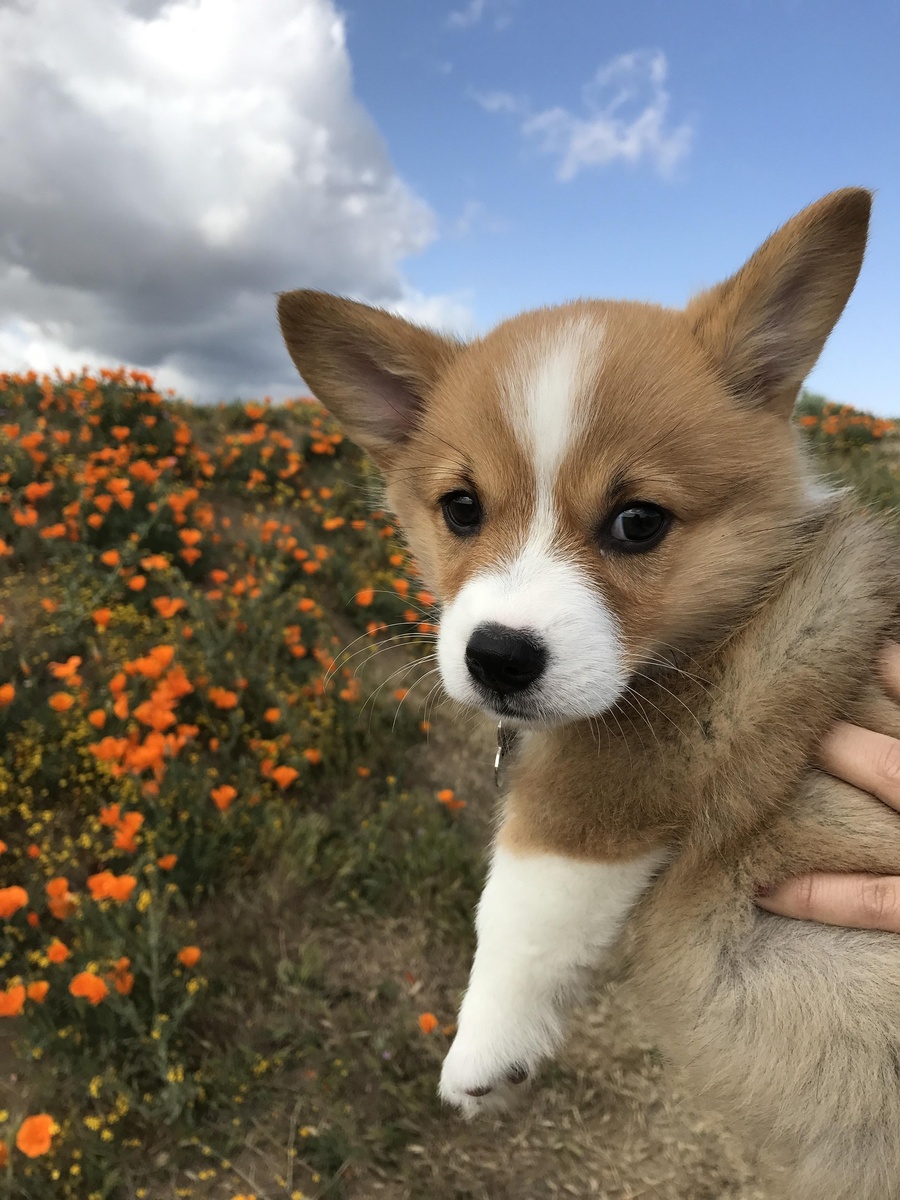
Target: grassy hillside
(236,870)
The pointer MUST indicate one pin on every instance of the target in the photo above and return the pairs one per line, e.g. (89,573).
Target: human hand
(869,761)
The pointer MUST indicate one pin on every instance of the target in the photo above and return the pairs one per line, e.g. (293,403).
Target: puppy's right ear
(372,370)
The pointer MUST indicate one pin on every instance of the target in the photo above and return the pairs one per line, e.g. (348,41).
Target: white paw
(489,1059)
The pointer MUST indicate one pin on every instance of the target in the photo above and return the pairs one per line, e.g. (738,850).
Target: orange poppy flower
(189,956)
(428,1022)
(57,951)
(110,815)
(151,665)
(284,776)
(35,1135)
(60,900)
(167,862)
(121,977)
(7,694)
(11,900)
(118,682)
(37,491)
(222,698)
(106,886)
(12,1001)
(66,670)
(61,701)
(37,991)
(447,797)
(365,596)
(223,796)
(54,531)
(89,987)
(126,838)
(168,606)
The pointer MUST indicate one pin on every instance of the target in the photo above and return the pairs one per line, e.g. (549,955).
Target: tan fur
(748,631)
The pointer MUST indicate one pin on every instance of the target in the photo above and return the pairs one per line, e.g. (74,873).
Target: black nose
(505,660)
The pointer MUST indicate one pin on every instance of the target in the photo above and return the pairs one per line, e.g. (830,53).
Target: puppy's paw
(476,1081)
(488,1061)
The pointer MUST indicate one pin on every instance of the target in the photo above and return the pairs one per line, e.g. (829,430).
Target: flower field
(176,586)
(206,820)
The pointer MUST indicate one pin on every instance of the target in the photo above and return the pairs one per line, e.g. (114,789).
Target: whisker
(433,671)
(634,700)
(372,697)
(686,708)
(612,713)
(392,625)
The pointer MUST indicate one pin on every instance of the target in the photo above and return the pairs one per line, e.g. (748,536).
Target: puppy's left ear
(765,327)
(372,370)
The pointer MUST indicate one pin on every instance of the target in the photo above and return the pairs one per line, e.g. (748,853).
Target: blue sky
(784,100)
(168,166)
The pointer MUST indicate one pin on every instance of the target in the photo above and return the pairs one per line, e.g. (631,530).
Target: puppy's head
(590,486)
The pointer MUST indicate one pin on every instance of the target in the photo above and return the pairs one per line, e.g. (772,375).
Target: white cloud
(499,11)
(625,120)
(494,102)
(167,166)
(451,314)
(476,217)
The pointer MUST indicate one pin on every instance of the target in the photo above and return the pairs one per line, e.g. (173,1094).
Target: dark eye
(637,527)
(462,512)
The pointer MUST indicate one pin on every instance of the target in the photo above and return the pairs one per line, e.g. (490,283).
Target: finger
(856,901)
(889,664)
(868,760)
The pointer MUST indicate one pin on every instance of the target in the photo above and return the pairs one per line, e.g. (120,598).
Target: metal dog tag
(506,739)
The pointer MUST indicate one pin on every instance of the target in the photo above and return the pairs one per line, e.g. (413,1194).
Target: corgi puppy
(638,569)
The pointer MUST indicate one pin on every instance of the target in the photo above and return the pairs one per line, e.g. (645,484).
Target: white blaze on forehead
(547,394)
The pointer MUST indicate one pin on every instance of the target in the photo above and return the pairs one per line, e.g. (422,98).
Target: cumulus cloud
(625,119)
(166,166)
